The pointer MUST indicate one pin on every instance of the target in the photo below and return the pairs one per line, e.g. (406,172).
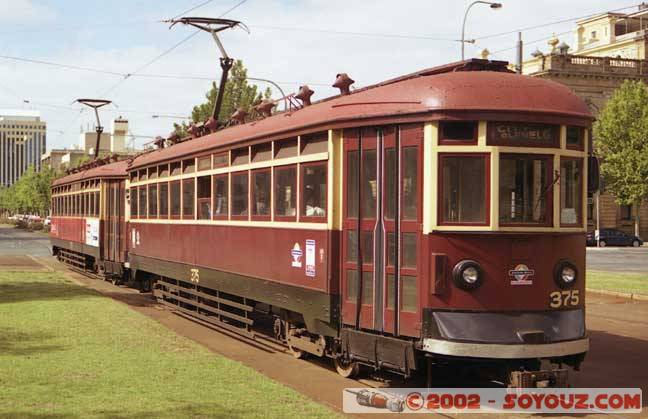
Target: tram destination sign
(523,134)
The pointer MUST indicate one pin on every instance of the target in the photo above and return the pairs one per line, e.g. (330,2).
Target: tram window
(313,190)
(454,132)
(163,170)
(314,143)
(409,295)
(91,204)
(189,166)
(175,199)
(391,191)
(143,174)
(204,198)
(410,183)
(133,202)
(96,204)
(221,160)
(152,201)
(352,184)
(221,193)
(240,156)
(575,137)
(240,194)
(176,168)
(286,191)
(286,148)
(367,286)
(369,185)
(571,194)
(523,189)
(204,163)
(133,176)
(188,199)
(82,200)
(152,172)
(142,202)
(164,200)
(367,246)
(262,152)
(261,187)
(463,189)
(409,250)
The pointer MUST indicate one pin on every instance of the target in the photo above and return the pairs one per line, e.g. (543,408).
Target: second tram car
(439,216)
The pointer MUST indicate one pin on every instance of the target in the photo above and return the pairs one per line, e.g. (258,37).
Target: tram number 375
(568,298)
(195,276)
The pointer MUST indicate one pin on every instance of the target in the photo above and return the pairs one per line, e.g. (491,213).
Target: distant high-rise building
(22,141)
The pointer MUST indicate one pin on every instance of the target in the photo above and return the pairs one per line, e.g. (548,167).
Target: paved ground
(19,242)
(618,259)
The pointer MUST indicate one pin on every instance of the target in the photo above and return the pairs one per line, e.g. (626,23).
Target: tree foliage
(31,194)
(621,140)
(238,94)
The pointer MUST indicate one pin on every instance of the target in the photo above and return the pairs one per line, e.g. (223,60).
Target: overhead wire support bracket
(213,26)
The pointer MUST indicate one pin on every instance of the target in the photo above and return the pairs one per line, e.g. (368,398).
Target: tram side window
(164,199)
(571,194)
(188,199)
(91,197)
(152,201)
(575,137)
(313,190)
(175,199)
(142,202)
(352,184)
(96,204)
(240,194)
(463,189)
(221,194)
(369,184)
(523,190)
(409,185)
(261,193)
(286,192)
(204,198)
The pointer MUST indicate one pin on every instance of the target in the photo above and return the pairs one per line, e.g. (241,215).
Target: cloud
(25,11)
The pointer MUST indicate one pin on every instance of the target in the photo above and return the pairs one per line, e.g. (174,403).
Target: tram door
(382,229)
(114,226)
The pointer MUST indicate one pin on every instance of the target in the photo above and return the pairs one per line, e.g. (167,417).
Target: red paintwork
(498,253)
(68,228)
(112,170)
(253,251)
(503,96)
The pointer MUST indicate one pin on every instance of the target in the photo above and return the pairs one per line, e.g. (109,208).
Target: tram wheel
(297,353)
(347,369)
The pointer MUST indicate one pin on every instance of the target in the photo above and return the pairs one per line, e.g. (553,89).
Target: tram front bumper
(547,334)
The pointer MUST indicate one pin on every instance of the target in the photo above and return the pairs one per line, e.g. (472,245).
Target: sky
(290,42)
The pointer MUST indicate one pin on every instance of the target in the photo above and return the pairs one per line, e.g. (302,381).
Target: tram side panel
(80,235)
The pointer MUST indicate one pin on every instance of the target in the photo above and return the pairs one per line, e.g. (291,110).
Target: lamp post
(463,27)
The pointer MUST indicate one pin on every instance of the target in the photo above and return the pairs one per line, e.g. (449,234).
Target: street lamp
(463,27)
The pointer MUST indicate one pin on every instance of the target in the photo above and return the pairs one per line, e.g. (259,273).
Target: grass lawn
(66,351)
(616,281)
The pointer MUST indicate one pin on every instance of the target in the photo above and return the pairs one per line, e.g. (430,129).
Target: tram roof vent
(304,95)
(239,116)
(265,108)
(343,82)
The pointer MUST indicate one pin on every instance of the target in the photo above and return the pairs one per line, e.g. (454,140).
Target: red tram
(438,216)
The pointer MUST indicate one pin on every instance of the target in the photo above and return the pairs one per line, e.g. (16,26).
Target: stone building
(608,49)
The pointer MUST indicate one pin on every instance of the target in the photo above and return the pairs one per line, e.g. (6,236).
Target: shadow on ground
(19,291)
(14,342)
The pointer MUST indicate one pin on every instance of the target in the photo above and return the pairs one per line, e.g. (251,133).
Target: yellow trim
(481,134)
(238,223)
(494,189)
(335,179)
(430,140)
(79,192)
(556,190)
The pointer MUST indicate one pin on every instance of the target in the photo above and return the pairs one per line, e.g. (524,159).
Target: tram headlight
(565,274)
(467,275)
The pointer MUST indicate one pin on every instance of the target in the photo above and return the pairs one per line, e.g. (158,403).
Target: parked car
(612,237)
(47,221)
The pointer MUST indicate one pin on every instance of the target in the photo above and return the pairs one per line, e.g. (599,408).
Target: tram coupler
(538,379)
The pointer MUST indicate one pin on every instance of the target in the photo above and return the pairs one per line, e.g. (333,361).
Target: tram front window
(523,189)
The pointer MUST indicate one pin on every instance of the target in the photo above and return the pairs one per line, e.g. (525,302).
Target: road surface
(618,259)
(14,242)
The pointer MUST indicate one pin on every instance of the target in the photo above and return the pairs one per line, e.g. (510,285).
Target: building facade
(608,49)
(22,142)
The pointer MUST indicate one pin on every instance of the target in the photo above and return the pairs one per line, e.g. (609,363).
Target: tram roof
(452,91)
(107,171)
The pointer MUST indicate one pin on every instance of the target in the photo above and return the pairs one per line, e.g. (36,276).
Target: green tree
(30,194)
(238,94)
(621,140)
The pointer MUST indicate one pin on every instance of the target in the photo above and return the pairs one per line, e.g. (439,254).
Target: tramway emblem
(521,275)
(296,254)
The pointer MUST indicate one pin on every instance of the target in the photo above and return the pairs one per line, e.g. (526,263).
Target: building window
(204,197)
(463,182)
(458,132)
(240,195)
(286,192)
(261,188)
(175,199)
(152,201)
(313,196)
(524,195)
(221,193)
(188,199)
(571,194)
(626,212)
(164,200)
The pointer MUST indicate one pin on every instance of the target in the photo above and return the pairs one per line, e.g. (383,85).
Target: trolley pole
(95,104)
